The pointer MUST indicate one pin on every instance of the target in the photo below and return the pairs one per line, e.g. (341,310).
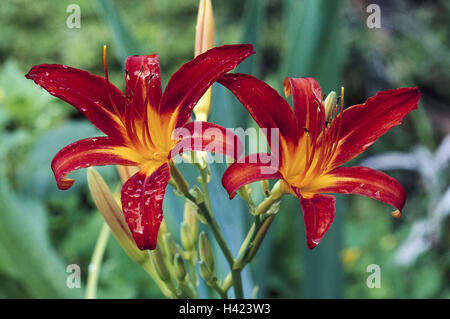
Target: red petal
(96,151)
(265,105)
(318,215)
(190,82)
(363,124)
(87,92)
(362,181)
(307,99)
(209,137)
(142,202)
(248,170)
(143,82)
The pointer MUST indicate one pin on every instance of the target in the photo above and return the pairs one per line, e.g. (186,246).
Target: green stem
(222,293)
(237,283)
(209,216)
(96,262)
(193,277)
(227,283)
(204,185)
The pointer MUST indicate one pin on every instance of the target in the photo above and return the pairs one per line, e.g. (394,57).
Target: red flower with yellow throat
(139,125)
(315,138)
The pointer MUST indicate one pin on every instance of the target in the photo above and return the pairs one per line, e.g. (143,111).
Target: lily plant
(309,142)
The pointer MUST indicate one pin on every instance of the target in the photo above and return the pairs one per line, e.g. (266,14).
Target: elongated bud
(205,272)
(245,193)
(170,246)
(186,237)
(111,212)
(330,106)
(160,264)
(162,234)
(162,228)
(190,217)
(182,185)
(204,29)
(179,267)
(204,40)
(206,253)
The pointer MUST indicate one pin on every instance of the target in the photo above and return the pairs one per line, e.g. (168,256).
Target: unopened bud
(170,246)
(205,272)
(190,217)
(330,106)
(160,264)
(245,193)
(179,267)
(111,212)
(162,228)
(182,185)
(186,237)
(204,40)
(206,253)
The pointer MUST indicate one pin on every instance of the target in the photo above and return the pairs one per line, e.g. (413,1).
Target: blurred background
(42,229)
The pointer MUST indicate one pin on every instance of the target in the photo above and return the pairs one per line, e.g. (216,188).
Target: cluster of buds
(167,263)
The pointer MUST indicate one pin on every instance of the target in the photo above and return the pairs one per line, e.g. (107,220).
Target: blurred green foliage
(42,230)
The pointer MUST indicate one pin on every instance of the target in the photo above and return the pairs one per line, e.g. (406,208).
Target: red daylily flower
(313,145)
(139,125)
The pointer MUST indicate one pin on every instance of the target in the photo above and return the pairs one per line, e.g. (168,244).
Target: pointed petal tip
(312,244)
(65,183)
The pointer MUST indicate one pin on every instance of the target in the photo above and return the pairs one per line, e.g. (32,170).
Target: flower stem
(209,216)
(237,283)
(96,261)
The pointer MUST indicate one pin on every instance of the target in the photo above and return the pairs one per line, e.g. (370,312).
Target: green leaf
(124,41)
(25,251)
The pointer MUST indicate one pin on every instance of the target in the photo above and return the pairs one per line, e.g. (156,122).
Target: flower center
(313,155)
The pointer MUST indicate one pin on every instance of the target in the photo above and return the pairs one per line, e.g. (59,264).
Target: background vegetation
(42,229)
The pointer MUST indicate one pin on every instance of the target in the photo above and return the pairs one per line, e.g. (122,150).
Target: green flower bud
(170,246)
(330,106)
(160,264)
(245,193)
(179,267)
(186,237)
(205,272)
(206,253)
(190,217)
